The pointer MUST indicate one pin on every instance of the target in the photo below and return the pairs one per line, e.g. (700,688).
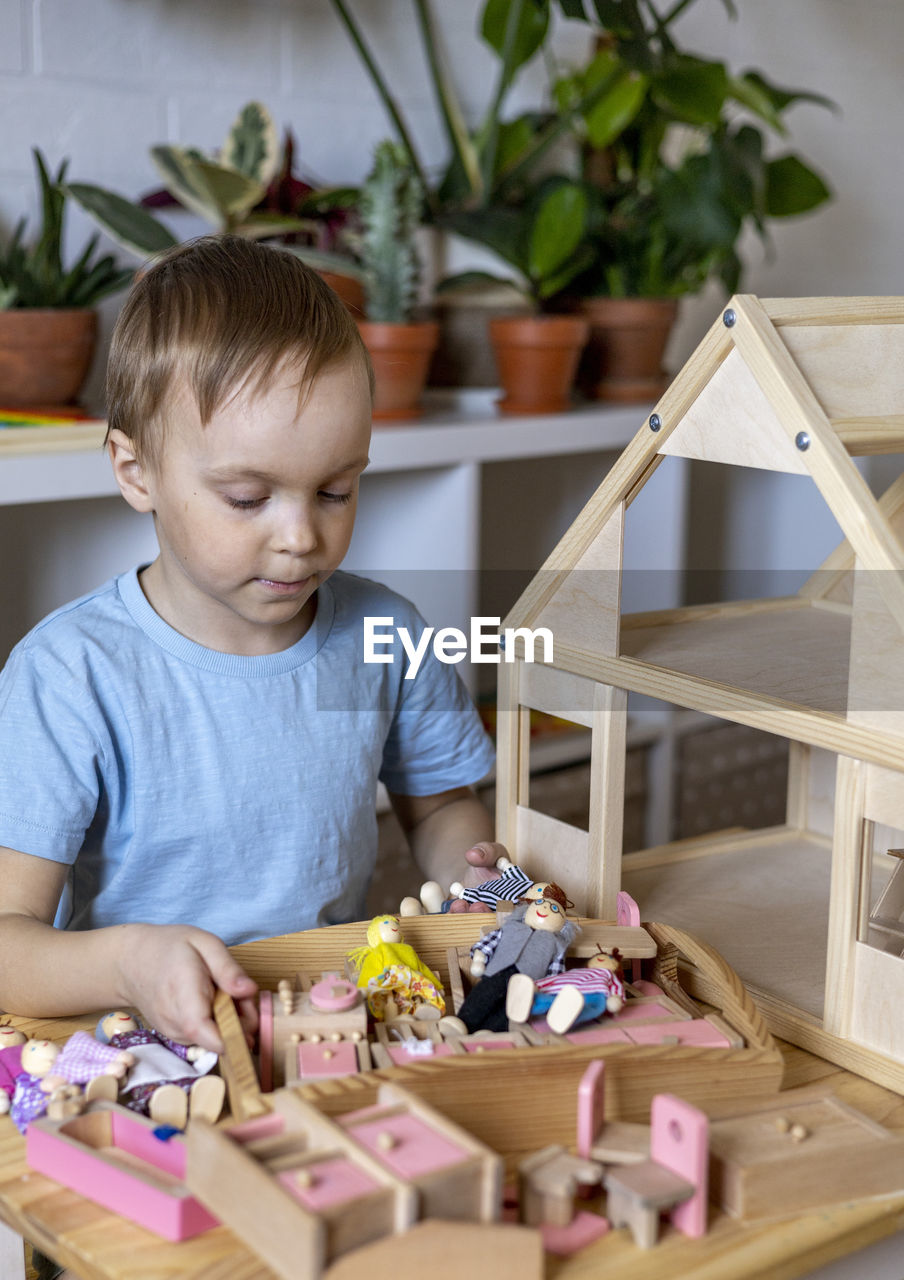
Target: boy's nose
(296,533)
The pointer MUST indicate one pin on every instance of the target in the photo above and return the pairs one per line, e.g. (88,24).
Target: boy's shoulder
(78,619)
(357,597)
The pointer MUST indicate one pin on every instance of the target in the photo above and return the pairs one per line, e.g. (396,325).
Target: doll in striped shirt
(572,996)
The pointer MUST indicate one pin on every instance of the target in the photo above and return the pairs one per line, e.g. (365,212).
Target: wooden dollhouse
(810,913)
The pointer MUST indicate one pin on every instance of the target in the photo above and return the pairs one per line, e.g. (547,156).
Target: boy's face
(254,510)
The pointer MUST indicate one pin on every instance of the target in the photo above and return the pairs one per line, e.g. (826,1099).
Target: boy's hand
(171,973)
(482,860)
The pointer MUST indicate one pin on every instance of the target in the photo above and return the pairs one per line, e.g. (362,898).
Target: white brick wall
(102,80)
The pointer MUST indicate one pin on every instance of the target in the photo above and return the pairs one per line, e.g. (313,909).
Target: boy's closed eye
(249,504)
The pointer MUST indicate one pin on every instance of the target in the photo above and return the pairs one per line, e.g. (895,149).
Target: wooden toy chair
(674,1179)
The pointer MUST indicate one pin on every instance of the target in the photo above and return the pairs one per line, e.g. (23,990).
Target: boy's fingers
(484,854)
(207,1036)
(226,973)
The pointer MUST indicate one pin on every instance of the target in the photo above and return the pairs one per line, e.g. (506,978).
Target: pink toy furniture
(628,912)
(112,1156)
(675,1178)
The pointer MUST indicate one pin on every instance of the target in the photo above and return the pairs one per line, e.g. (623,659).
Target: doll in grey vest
(533,941)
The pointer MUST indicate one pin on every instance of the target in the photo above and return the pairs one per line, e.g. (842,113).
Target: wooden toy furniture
(609,1142)
(115,1157)
(312,1028)
(804,387)
(674,1179)
(302,1188)
(485,1094)
(803,1151)
(548,1182)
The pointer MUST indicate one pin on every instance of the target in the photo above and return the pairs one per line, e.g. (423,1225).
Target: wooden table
(97,1245)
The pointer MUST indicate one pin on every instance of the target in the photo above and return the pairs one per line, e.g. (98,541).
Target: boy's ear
(128,472)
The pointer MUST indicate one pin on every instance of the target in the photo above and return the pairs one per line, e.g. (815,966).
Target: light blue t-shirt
(235,793)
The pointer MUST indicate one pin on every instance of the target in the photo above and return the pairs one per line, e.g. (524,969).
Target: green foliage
(34,275)
(659,222)
(544,239)
(390,207)
(677,176)
(223,189)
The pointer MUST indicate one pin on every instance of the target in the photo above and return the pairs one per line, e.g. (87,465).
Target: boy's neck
(219,629)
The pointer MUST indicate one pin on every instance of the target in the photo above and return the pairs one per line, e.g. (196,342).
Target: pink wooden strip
(131,1134)
(265,1126)
(583,1229)
(647,988)
(633,1011)
(334,1182)
(265,1041)
(591,1106)
(327,1059)
(598,1035)
(696,1032)
(418,1148)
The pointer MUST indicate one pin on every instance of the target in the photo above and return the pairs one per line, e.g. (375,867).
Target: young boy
(189,755)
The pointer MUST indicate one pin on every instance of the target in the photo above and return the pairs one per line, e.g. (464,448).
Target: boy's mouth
(285,588)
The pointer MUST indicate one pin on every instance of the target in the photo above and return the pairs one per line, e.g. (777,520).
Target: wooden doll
(11,1042)
(572,997)
(532,941)
(395,978)
(166,1079)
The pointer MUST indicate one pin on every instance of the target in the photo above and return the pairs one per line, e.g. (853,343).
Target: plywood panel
(763,905)
(854,370)
(884,800)
(875,688)
(584,610)
(731,421)
(558,693)
(798,655)
(878,999)
(548,849)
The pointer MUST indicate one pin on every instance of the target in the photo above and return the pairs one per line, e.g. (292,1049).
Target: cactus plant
(390,208)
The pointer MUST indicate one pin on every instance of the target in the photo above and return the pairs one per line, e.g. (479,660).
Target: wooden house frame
(809,913)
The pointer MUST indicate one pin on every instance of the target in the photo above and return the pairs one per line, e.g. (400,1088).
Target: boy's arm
(168,972)
(451,836)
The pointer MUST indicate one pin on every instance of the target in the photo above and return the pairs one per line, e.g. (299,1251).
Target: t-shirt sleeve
(50,757)
(436,741)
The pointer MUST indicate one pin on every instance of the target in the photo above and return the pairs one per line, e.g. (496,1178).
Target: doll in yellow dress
(392,973)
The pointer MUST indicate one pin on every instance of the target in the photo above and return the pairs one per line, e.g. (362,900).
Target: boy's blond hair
(211,315)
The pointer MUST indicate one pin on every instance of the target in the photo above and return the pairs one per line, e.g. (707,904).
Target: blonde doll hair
(360,954)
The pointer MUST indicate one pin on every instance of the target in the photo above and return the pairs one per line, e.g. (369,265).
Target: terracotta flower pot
(537,357)
(400,354)
(350,290)
(623,357)
(44,355)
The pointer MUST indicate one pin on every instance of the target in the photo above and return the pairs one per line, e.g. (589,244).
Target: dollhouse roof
(799,385)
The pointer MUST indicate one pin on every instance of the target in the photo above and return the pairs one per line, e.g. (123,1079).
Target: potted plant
(544,239)
(672,170)
(675,167)
(48,324)
(390,207)
(247,188)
